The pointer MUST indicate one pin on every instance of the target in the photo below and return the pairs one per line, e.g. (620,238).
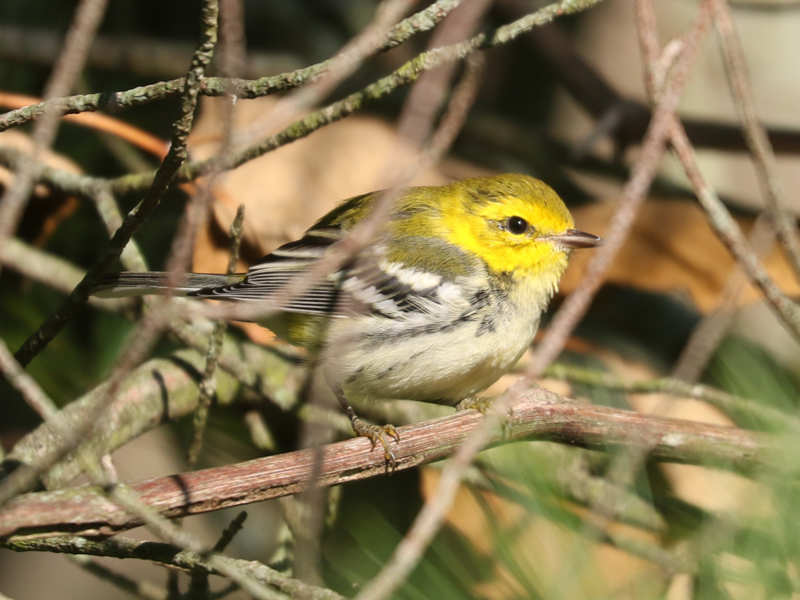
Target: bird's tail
(155,282)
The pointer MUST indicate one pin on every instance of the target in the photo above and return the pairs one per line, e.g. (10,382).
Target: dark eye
(517,225)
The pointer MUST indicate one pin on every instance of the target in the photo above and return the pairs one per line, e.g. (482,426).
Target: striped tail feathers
(128,283)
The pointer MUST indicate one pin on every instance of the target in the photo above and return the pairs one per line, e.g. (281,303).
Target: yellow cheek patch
(477,226)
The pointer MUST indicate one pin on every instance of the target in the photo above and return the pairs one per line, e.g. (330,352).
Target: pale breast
(443,362)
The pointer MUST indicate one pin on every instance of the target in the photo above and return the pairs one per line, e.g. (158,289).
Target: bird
(440,305)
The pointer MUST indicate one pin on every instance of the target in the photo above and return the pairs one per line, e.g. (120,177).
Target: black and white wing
(278,269)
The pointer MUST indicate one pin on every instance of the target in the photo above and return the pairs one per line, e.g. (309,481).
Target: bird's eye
(517,225)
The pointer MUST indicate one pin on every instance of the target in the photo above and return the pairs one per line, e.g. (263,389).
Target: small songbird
(442,303)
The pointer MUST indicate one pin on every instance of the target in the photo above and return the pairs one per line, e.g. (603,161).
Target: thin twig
(755,133)
(422,21)
(143,589)
(198,586)
(339,67)
(710,331)
(23,479)
(26,385)
(123,547)
(76,47)
(208,385)
(429,519)
(731,235)
(230,531)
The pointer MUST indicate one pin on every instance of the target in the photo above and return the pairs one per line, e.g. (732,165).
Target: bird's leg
(375,433)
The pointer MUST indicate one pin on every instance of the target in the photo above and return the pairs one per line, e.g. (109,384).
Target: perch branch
(538,414)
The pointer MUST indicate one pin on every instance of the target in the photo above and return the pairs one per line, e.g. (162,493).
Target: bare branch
(160,183)
(422,21)
(430,517)
(167,554)
(536,414)
(731,235)
(740,409)
(25,384)
(76,47)
(755,133)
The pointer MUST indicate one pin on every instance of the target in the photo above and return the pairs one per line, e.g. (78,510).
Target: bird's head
(516,224)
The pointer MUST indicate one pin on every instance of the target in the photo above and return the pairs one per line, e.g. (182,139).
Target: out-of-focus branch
(731,235)
(756,134)
(25,384)
(538,414)
(218,86)
(712,328)
(748,410)
(161,181)
(136,587)
(53,271)
(589,89)
(167,554)
(137,54)
(159,390)
(76,46)
(335,111)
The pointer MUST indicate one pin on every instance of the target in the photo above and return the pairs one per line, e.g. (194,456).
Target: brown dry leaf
(672,249)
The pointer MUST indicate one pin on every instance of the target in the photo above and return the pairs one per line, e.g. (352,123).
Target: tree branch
(218,86)
(167,554)
(538,414)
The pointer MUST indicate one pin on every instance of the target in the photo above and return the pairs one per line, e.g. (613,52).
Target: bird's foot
(482,404)
(378,434)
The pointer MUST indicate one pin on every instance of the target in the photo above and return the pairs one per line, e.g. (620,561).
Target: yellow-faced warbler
(442,304)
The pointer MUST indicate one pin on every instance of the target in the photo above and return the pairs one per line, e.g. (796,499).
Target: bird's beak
(573,238)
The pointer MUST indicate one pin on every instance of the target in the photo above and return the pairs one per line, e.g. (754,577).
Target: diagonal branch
(23,479)
(755,133)
(162,179)
(422,21)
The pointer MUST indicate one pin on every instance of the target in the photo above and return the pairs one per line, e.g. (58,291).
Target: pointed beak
(573,238)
